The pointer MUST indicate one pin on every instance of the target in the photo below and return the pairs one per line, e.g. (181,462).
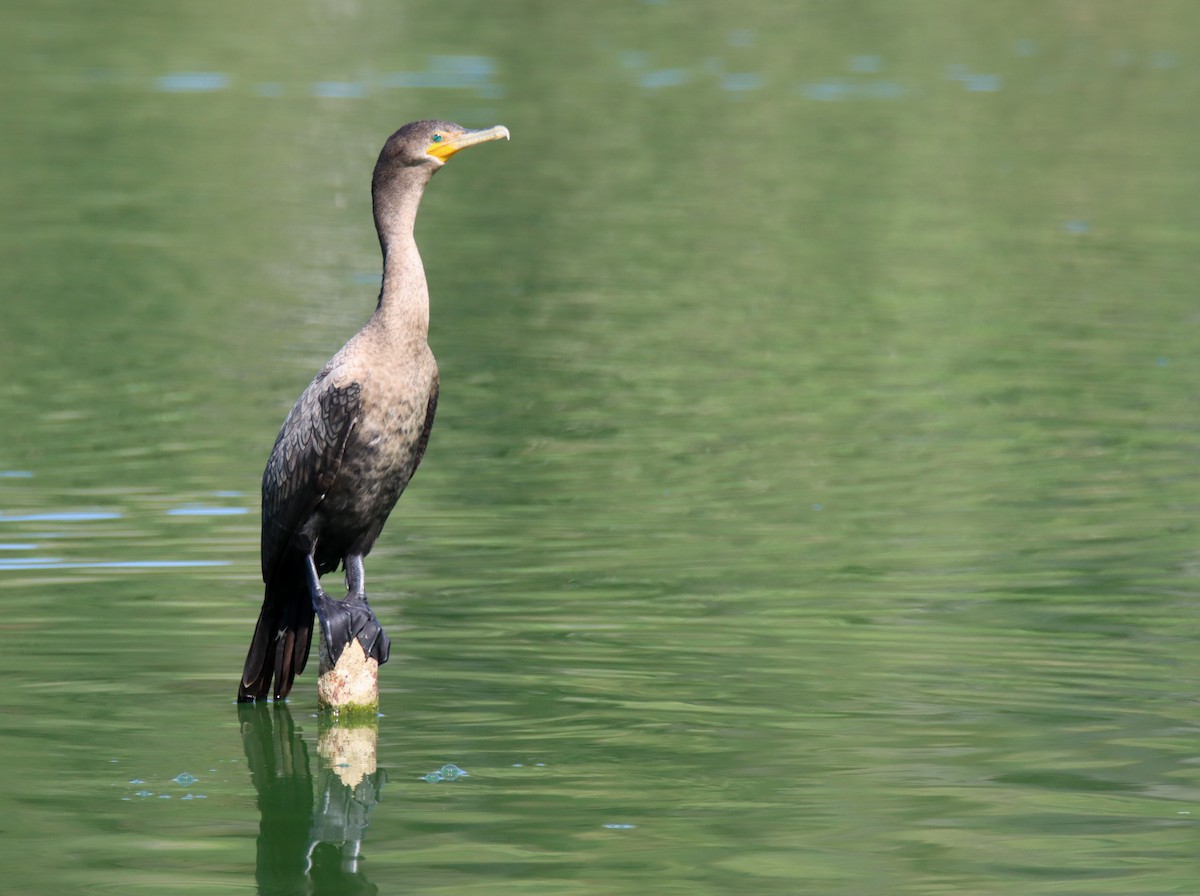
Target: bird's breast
(382,450)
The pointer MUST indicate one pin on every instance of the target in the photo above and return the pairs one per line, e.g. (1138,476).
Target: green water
(812,502)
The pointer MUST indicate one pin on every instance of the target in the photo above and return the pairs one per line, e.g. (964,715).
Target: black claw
(376,643)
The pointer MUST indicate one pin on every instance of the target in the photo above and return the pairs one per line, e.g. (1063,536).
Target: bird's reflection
(309,841)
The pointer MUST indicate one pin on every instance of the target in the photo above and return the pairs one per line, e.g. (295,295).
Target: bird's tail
(279,649)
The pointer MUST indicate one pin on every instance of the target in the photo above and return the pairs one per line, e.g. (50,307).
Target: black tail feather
(280,647)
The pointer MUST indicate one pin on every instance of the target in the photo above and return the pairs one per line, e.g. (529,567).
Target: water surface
(811,506)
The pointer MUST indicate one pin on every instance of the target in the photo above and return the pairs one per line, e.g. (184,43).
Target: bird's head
(431,143)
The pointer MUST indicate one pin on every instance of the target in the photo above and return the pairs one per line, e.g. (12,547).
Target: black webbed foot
(344,620)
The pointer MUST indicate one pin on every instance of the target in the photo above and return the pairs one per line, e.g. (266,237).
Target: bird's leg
(344,620)
(370,633)
(330,613)
(314,580)
(356,578)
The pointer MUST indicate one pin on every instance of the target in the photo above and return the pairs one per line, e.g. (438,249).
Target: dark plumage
(354,438)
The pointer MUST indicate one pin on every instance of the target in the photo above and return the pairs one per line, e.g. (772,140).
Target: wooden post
(350,686)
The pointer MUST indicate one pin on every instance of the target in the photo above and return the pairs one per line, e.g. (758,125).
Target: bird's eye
(437,138)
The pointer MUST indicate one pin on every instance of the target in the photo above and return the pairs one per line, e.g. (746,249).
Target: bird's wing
(305,460)
(430,411)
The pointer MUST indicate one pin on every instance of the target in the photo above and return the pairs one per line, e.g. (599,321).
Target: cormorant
(353,439)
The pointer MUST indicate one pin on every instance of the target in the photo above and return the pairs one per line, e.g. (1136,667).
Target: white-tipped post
(350,685)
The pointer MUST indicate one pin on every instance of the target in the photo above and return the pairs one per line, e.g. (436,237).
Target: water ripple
(61,517)
(30,563)
(200,510)
(192,82)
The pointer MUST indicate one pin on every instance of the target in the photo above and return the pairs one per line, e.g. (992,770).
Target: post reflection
(310,838)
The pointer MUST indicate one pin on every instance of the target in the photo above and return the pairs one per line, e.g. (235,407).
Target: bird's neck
(404,296)
(403,308)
